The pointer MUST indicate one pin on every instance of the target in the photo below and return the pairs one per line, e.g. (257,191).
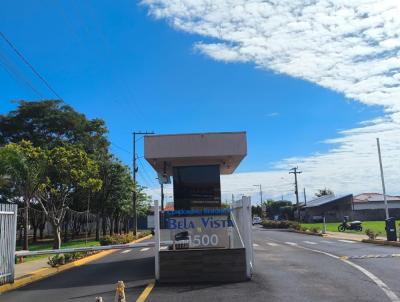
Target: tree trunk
(104,225)
(111,226)
(97,227)
(26,226)
(20,236)
(35,233)
(41,230)
(57,237)
(65,231)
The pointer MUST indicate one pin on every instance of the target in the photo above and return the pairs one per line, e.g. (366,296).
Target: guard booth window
(197,186)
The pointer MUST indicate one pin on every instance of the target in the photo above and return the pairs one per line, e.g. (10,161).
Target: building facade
(371,206)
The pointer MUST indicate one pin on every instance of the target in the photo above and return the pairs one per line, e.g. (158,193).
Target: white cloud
(352,47)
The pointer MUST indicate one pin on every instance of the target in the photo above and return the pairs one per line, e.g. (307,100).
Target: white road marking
(346,241)
(255,244)
(272,244)
(310,242)
(126,251)
(391,295)
(291,243)
(327,241)
(144,249)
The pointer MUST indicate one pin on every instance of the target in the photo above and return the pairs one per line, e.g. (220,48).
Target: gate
(8,230)
(241,215)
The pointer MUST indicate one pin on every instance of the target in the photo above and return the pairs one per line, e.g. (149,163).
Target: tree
(323,192)
(51,123)
(280,207)
(22,165)
(114,200)
(67,169)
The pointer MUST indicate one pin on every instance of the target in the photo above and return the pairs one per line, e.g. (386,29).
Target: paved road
(98,278)
(289,267)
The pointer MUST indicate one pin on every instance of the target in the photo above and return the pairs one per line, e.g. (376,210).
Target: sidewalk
(350,236)
(27,268)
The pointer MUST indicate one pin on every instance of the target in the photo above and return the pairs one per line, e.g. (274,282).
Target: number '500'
(204,240)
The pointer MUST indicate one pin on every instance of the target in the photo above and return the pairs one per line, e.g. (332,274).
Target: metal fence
(8,230)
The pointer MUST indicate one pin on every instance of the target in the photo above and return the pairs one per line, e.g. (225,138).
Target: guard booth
(207,242)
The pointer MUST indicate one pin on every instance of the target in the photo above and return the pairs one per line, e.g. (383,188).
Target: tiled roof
(374,197)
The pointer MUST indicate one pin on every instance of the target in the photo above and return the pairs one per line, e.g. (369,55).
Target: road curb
(50,271)
(382,242)
(308,233)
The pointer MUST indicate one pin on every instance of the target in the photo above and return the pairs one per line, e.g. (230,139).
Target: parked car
(256,220)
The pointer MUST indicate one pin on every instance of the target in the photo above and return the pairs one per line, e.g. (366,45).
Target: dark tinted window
(197,186)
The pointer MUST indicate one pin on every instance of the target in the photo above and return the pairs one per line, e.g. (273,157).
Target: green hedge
(121,239)
(280,224)
(117,239)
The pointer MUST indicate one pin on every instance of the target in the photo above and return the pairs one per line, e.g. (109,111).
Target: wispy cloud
(272,114)
(352,47)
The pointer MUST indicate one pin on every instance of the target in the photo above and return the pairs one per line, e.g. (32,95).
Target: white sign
(200,231)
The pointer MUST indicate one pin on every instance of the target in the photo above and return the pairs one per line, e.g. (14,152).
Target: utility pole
(261,199)
(382,178)
(135,169)
(296,191)
(162,196)
(305,197)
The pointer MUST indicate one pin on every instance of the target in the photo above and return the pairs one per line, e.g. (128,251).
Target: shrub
(315,229)
(372,235)
(117,239)
(303,228)
(280,224)
(56,260)
(143,234)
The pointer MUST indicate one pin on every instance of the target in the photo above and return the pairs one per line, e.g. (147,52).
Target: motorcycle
(353,225)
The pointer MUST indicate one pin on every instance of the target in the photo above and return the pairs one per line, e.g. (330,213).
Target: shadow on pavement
(98,273)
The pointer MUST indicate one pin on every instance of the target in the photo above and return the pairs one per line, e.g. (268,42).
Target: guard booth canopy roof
(226,149)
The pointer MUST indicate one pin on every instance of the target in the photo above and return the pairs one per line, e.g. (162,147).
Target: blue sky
(118,62)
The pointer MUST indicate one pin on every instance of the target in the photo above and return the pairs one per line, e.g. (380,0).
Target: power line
(145,170)
(29,65)
(16,74)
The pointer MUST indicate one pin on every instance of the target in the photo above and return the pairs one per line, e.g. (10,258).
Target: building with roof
(371,206)
(365,206)
(333,207)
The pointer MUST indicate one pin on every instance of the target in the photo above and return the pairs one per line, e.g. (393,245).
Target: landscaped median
(292,226)
(59,267)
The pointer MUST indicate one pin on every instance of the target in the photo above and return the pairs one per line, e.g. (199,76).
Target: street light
(259,186)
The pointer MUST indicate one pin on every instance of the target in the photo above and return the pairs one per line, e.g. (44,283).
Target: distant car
(256,220)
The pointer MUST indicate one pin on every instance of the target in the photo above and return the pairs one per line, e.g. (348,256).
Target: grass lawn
(376,226)
(48,245)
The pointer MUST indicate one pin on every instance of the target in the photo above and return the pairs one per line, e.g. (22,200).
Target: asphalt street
(291,267)
(288,267)
(98,278)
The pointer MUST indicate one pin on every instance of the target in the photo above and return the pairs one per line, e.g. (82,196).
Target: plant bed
(382,242)
(280,224)
(61,259)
